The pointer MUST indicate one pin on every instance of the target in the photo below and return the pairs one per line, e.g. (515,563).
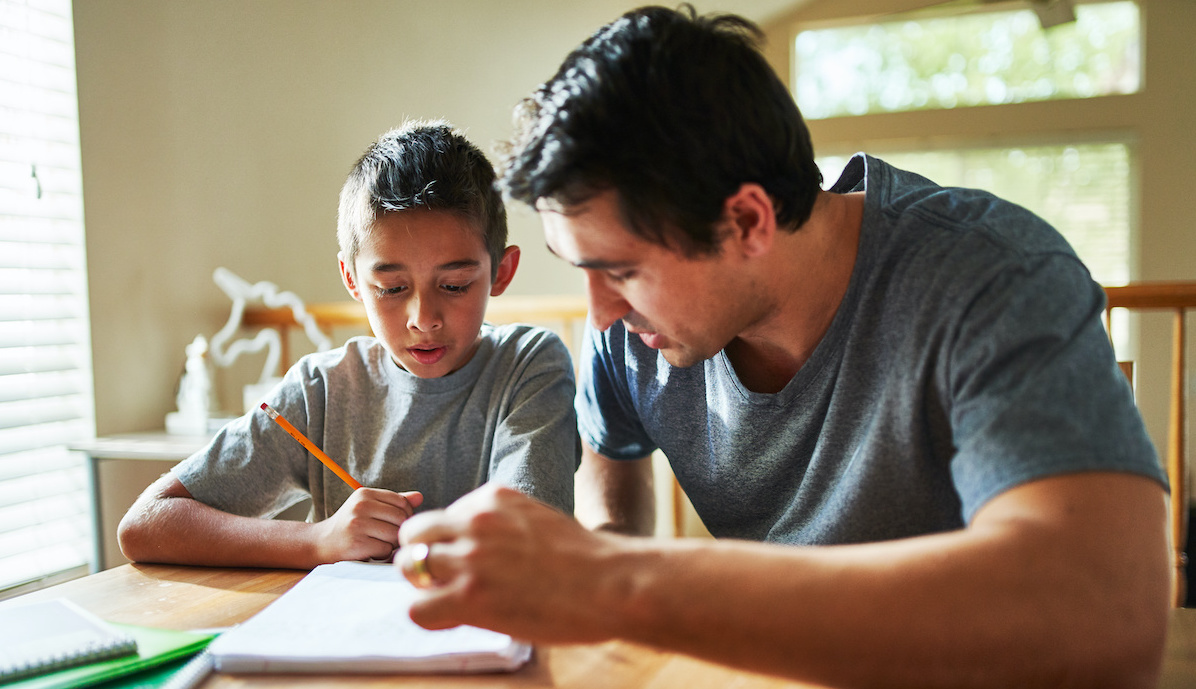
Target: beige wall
(217,133)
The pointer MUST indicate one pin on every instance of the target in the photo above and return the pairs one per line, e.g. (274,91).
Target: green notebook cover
(156,677)
(155,647)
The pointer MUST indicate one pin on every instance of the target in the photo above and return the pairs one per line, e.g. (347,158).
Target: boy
(436,404)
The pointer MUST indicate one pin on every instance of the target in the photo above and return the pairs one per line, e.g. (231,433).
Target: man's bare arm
(615,495)
(1059,582)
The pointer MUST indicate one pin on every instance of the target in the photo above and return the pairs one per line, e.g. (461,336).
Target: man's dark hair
(426,165)
(674,112)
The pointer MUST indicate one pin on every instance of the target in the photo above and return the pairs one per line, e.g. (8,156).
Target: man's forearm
(1008,602)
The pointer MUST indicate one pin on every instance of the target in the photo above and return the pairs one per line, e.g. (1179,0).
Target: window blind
(45,359)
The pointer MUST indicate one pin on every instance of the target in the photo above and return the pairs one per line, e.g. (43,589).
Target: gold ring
(419,564)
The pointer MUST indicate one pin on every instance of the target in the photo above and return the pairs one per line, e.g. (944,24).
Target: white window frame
(46,398)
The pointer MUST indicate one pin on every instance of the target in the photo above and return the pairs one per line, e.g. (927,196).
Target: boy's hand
(366,526)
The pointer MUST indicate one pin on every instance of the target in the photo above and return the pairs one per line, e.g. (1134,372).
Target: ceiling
(759,11)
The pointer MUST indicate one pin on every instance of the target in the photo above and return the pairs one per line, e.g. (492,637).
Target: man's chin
(677,355)
(681,358)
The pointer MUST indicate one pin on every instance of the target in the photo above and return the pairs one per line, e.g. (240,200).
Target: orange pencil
(286,426)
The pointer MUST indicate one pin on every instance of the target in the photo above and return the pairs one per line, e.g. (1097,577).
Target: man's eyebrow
(603,265)
(593,264)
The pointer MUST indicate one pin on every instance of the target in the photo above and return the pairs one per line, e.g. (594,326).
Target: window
(45,365)
(1081,189)
(960,97)
(988,58)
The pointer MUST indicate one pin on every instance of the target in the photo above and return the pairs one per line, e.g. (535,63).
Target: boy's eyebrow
(461,264)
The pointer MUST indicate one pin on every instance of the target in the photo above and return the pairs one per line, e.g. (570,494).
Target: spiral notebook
(157,649)
(48,635)
(351,617)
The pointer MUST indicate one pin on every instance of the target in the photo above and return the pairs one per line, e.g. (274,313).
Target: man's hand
(503,561)
(366,526)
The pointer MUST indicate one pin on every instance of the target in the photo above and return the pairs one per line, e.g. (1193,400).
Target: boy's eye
(621,276)
(391,291)
(455,289)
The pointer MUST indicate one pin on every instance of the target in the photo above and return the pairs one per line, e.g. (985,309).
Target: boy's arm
(615,495)
(1058,582)
(166,524)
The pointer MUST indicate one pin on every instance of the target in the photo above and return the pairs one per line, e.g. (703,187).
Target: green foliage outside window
(990,58)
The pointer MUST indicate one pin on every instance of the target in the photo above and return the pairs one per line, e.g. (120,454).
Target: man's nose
(606,304)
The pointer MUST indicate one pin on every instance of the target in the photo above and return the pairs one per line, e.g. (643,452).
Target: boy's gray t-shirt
(967,357)
(506,416)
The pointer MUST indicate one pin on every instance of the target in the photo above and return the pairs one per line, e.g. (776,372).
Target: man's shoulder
(905,201)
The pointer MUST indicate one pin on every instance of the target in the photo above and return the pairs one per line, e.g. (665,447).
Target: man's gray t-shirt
(506,416)
(967,357)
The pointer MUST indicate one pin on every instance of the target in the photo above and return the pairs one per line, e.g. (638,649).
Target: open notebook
(351,617)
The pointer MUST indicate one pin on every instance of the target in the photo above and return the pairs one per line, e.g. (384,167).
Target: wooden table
(201,597)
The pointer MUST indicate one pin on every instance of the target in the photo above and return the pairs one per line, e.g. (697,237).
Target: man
(914,375)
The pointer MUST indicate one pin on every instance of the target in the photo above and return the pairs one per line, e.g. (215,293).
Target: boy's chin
(420,371)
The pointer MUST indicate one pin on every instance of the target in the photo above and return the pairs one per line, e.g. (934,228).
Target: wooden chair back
(1178,298)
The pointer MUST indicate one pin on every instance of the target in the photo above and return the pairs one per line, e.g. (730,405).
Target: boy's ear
(347,277)
(751,219)
(506,271)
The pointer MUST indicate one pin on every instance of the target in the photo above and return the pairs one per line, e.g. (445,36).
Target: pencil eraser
(263,405)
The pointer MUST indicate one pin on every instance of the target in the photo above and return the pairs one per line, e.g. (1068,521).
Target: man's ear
(506,271)
(347,277)
(751,219)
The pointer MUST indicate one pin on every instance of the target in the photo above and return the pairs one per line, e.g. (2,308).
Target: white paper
(351,617)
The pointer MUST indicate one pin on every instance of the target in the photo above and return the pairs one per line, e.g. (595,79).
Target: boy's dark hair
(674,112)
(421,165)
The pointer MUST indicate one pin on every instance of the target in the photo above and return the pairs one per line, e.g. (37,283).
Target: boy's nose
(606,305)
(423,315)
